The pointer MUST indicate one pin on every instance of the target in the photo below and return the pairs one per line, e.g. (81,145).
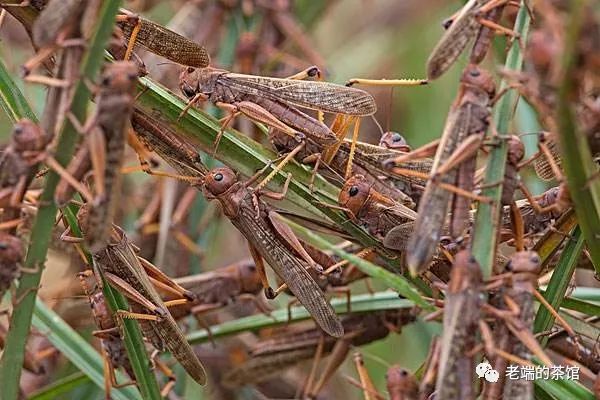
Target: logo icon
(485,370)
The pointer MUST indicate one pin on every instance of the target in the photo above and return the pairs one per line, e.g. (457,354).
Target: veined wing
(455,39)
(323,96)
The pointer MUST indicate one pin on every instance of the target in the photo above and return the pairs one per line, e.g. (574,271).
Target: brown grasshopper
(161,41)
(216,289)
(271,240)
(271,356)
(275,101)
(114,352)
(477,18)
(383,217)
(452,174)
(135,278)
(178,153)
(61,24)
(517,311)
(461,317)
(106,138)
(366,162)
(11,255)
(18,165)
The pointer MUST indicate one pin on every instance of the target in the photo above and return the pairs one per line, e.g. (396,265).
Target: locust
(271,240)
(461,318)
(11,255)
(452,173)
(178,153)
(215,289)
(135,278)
(18,165)
(106,134)
(384,218)
(114,352)
(477,19)
(271,356)
(275,101)
(517,311)
(60,24)
(161,41)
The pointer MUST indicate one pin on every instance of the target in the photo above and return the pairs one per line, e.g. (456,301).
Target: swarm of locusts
(149,139)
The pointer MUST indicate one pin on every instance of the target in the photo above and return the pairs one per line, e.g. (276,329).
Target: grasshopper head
(119,77)
(249,277)
(394,140)
(27,136)
(354,193)
(219,180)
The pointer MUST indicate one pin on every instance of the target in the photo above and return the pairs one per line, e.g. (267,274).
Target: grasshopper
(178,153)
(465,127)
(114,352)
(11,255)
(275,101)
(461,318)
(215,289)
(518,312)
(477,19)
(161,41)
(271,240)
(18,165)
(60,24)
(135,277)
(106,138)
(365,162)
(270,356)
(383,217)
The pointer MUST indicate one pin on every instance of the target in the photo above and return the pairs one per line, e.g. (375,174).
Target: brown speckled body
(237,202)
(468,116)
(281,97)
(11,254)
(461,318)
(114,109)
(166,43)
(111,339)
(120,259)
(273,355)
(18,165)
(525,266)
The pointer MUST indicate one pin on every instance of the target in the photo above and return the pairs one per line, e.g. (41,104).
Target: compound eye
(188,91)
(105,81)
(396,137)
(353,191)
(218,177)
(190,69)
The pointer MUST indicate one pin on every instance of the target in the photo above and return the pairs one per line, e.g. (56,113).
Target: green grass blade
(11,98)
(361,303)
(42,226)
(565,389)
(488,214)
(577,160)
(77,350)
(559,283)
(60,387)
